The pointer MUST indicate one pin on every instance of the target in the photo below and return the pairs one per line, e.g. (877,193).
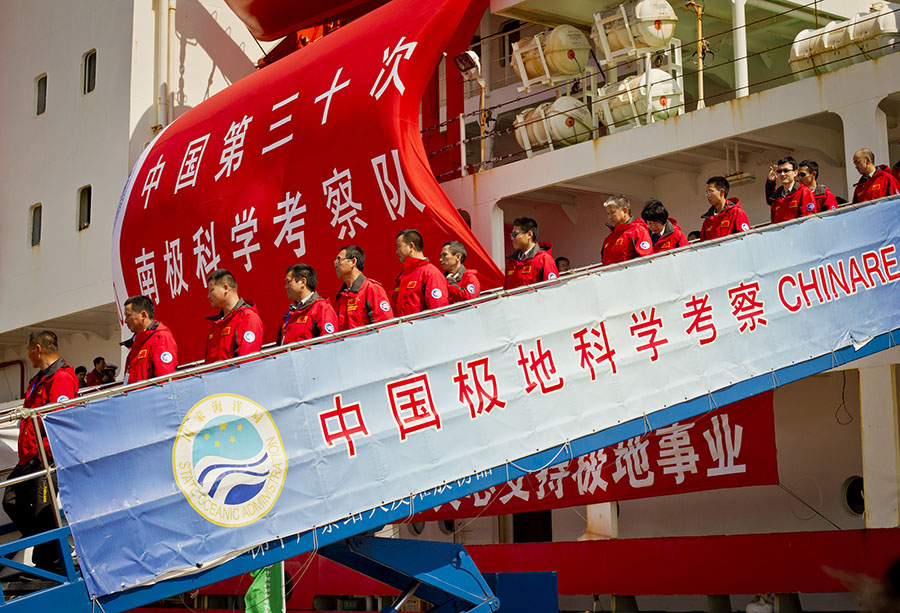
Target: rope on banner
(95,602)
(552,461)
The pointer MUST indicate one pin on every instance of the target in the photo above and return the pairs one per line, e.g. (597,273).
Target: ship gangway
(180,482)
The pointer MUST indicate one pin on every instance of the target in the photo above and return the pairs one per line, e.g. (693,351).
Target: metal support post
(739,23)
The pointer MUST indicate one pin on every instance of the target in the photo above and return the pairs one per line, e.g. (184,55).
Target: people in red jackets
(310,315)
(236,329)
(874,181)
(28,504)
(462,282)
(665,233)
(531,262)
(420,286)
(725,215)
(102,373)
(791,199)
(361,301)
(808,175)
(152,349)
(629,237)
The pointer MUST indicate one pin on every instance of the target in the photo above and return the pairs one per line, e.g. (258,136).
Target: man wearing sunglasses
(531,262)
(791,199)
(808,175)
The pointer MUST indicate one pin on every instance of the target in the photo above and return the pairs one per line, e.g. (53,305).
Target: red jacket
(882,183)
(364,303)
(310,320)
(93,378)
(783,207)
(464,285)
(825,200)
(239,332)
(732,220)
(56,383)
(533,267)
(627,241)
(420,286)
(671,238)
(153,353)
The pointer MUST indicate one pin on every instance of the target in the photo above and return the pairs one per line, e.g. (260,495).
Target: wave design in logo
(229,460)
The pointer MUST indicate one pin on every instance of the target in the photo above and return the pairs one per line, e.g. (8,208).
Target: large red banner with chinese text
(317,151)
(733,446)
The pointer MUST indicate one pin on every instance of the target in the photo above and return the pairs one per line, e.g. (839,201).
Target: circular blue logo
(228,460)
(329,327)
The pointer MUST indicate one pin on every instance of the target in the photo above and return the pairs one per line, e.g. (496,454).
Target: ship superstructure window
(84,207)
(89,72)
(40,85)
(35,225)
(510,34)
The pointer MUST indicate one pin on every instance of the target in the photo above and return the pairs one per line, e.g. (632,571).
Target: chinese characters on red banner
(731,447)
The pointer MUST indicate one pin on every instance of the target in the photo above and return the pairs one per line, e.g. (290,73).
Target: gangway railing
(863,238)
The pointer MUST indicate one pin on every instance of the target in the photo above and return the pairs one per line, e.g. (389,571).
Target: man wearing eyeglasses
(531,262)
(874,181)
(361,301)
(791,199)
(808,175)
(725,215)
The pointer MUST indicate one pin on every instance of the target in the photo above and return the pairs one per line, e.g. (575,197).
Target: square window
(41,94)
(89,72)
(84,207)
(35,225)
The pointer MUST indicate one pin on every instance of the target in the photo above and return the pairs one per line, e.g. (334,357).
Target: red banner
(733,446)
(317,151)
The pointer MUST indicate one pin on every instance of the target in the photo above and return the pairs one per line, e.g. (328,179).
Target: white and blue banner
(171,478)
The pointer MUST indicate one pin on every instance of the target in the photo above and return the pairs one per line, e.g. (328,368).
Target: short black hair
(456,248)
(303,271)
(655,211)
(788,160)
(560,259)
(719,182)
(694,235)
(141,303)
(79,370)
(220,276)
(99,359)
(813,166)
(412,237)
(527,224)
(355,253)
(45,338)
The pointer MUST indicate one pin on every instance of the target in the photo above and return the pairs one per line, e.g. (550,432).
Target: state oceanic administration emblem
(229,460)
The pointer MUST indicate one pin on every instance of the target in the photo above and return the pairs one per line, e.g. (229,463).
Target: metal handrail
(488,296)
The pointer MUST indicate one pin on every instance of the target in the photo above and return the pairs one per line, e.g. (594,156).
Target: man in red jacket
(29,504)
(420,286)
(791,199)
(629,237)
(808,175)
(236,329)
(665,233)
(462,282)
(874,181)
(531,262)
(361,301)
(152,349)
(310,315)
(725,215)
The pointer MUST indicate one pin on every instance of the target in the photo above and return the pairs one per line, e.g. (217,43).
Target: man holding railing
(29,504)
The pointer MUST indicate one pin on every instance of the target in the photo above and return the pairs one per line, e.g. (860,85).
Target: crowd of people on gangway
(792,191)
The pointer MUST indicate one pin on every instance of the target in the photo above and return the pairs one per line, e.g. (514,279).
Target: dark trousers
(31,510)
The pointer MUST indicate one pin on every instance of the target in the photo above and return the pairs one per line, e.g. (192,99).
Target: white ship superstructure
(69,135)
